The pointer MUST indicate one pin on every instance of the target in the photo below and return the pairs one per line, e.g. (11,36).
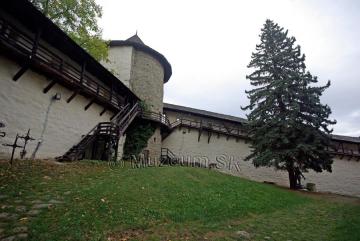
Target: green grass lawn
(164,203)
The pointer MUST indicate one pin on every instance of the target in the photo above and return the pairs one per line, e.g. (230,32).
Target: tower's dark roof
(136,39)
(138,44)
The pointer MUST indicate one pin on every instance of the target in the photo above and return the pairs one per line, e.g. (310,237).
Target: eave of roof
(142,47)
(204,113)
(345,138)
(29,16)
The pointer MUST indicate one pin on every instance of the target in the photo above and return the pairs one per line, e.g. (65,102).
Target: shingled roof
(204,113)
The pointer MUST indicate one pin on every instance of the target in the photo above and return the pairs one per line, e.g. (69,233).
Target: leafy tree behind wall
(77,18)
(288,125)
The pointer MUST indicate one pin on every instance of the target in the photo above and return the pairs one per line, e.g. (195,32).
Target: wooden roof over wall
(218,116)
(31,18)
(204,113)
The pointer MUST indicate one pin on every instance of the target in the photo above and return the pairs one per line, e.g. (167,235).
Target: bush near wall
(137,137)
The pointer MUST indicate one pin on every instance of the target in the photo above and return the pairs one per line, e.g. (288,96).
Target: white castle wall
(23,105)
(229,155)
(120,62)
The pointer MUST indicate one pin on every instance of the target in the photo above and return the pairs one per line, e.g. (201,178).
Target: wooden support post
(351,155)
(97,90)
(111,91)
(90,103)
(342,149)
(49,86)
(200,130)
(72,96)
(61,67)
(209,136)
(338,147)
(26,66)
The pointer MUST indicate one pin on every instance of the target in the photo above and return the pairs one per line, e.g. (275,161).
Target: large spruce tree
(288,125)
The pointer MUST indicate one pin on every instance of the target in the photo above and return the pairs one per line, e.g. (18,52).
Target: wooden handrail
(209,126)
(158,117)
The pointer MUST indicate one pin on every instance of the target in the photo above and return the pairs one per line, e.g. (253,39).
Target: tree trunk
(292,178)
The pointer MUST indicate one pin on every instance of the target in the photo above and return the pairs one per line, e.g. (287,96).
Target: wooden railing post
(111,91)
(83,66)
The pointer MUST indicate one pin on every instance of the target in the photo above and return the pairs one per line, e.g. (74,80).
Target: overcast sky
(209,44)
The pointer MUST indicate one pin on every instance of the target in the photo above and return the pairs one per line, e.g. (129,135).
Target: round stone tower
(144,71)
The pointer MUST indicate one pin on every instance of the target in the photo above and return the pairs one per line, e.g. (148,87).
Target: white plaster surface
(23,105)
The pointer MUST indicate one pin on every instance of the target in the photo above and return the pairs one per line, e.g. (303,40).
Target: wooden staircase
(125,117)
(168,157)
(113,130)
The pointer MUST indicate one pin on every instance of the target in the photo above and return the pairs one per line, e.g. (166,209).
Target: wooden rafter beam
(21,71)
(112,117)
(72,96)
(49,86)
(103,111)
(89,104)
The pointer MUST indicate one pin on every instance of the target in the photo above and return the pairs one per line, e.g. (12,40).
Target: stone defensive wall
(191,144)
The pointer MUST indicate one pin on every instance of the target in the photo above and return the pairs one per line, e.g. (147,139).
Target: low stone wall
(229,156)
